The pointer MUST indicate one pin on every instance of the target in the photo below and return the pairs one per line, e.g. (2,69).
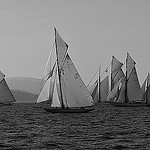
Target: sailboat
(146,90)
(100,88)
(127,92)
(64,88)
(6,96)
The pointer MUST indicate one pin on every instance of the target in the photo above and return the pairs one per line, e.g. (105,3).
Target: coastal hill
(24,96)
(29,84)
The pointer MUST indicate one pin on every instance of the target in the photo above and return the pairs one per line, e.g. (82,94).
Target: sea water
(26,127)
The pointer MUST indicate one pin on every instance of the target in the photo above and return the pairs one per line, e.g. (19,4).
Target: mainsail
(133,87)
(74,90)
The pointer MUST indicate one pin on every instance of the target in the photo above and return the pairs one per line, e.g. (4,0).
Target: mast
(99,82)
(59,73)
(126,80)
(147,89)
(111,73)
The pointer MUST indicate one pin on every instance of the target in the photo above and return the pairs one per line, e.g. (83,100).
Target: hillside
(28,84)
(24,96)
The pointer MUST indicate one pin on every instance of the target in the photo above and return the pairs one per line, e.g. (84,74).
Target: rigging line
(106,69)
(100,75)
(93,77)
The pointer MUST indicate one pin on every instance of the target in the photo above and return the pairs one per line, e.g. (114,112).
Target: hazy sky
(94,30)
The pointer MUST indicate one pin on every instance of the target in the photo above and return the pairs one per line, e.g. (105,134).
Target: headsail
(47,90)
(93,90)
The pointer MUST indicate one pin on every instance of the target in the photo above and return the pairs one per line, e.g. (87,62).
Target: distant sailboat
(146,89)
(127,92)
(99,90)
(6,96)
(64,87)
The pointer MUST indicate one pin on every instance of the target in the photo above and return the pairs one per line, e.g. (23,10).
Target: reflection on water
(25,127)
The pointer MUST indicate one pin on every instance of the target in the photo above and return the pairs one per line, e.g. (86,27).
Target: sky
(95,30)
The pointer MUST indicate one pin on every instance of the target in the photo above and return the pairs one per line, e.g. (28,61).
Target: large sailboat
(6,96)
(127,91)
(64,88)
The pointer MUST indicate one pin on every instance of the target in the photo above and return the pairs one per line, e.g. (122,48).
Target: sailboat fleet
(125,90)
(65,92)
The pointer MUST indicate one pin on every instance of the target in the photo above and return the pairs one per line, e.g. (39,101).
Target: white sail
(104,88)
(134,92)
(74,89)
(143,87)
(118,76)
(93,90)
(146,89)
(47,90)
(114,92)
(56,93)
(121,98)
(61,49)
(2,76)
(5,93)
(44,94)
(130,64)
(115,66)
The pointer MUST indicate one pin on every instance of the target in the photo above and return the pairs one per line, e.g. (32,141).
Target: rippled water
(24,127)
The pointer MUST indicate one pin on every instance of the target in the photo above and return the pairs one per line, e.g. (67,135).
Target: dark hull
(67,110)
(129,104)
